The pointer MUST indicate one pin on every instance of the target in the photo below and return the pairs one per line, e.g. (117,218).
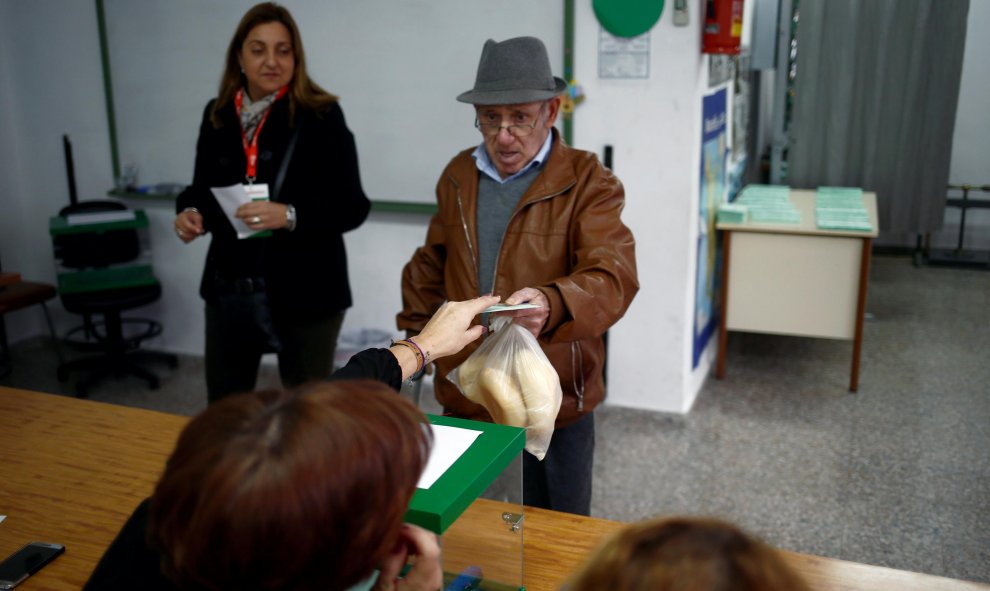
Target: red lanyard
(251,149)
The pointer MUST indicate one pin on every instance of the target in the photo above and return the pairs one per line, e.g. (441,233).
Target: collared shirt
(486,166)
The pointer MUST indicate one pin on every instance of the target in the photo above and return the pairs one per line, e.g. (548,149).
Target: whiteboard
(397,66)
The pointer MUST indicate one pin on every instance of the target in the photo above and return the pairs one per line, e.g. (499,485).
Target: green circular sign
(627,18)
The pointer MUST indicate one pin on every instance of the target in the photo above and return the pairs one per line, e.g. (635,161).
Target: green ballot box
(471,496)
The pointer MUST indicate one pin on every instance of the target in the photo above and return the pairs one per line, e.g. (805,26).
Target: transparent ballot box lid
(101,250)
(471,496)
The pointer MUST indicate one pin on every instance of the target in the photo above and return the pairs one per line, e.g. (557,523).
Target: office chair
(119,353)
(16,294)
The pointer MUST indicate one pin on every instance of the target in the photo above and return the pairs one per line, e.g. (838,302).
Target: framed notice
(621,57)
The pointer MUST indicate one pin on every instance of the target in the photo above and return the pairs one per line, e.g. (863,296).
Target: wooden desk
(71,471)
(794,279)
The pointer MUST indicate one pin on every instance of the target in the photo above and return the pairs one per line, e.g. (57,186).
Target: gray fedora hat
(511,72)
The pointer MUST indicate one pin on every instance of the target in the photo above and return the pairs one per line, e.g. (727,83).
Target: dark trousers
(562,481)
(232,359)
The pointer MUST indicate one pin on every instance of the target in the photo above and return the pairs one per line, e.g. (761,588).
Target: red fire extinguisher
(722,26)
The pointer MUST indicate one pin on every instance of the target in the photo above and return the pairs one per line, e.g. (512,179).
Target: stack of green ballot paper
(769,204)
(732,213)
(841,208)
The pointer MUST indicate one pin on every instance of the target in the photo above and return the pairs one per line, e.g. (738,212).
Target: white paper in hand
(230,198)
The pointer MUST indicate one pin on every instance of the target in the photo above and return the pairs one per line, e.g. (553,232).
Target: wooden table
(71,471)
(794,279)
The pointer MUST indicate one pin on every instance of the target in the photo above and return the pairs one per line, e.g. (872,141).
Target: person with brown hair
(685,554)
(296,490)
(307,489)
(275,278)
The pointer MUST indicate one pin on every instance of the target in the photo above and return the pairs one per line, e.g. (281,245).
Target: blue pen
(468,580)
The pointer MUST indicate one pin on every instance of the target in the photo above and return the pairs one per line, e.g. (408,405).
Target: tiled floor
(897,474)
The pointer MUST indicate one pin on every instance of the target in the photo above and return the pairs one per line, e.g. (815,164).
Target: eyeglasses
(515,130)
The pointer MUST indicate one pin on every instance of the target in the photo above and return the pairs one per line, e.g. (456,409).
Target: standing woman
(285,287)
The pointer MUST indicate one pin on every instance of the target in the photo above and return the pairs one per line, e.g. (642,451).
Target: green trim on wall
(139,195)
(101,23)
(410,207)
(568,65)
(404,207)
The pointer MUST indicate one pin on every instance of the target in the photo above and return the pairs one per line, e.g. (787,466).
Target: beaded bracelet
(421,358)
(424,355)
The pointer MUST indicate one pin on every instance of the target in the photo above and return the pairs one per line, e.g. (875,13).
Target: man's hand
(532,319)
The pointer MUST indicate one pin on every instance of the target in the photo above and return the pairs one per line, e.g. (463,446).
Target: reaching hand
(450,329)
(426,573)
(532,319)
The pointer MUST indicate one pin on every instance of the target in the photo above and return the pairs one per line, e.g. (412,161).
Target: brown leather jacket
(564,238)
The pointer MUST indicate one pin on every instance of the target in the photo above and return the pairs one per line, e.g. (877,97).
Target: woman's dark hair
(302,91)
(685,554)
(301,489)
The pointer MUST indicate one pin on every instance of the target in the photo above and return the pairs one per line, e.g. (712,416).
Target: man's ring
(179,233)
(256,220)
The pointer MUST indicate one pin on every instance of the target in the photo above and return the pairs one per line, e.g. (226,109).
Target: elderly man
(529,218)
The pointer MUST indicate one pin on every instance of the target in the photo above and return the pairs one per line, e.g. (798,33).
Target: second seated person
(285,288)
(526,217)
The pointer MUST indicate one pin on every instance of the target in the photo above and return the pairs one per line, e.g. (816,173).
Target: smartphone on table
(27,561)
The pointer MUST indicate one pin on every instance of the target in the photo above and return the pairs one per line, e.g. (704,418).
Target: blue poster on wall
(714,153)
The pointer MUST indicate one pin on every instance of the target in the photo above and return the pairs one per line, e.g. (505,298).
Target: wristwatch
(290,217)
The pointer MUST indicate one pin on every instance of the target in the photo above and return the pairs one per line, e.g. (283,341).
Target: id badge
(257,192)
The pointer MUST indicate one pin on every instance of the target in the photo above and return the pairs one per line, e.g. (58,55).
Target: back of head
(685,554)
(304,489)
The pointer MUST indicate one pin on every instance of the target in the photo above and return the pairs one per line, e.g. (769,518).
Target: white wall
(12,207)
(970,154)
(653,125)
(53,55)
(52,73)
(51,83)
